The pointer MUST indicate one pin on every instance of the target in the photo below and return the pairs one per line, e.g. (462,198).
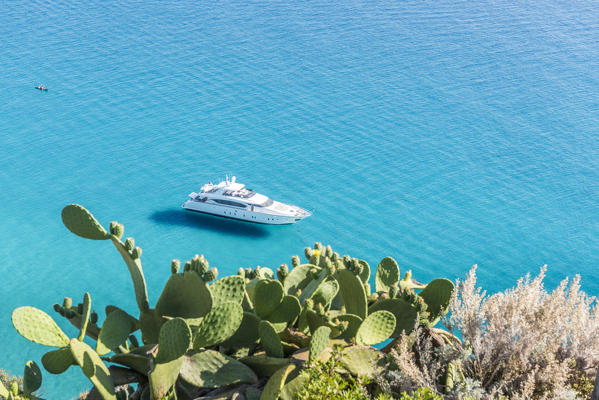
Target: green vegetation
(307,332)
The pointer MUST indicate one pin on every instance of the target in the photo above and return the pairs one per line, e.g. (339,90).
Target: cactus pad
(231,288)
(387,274)
(32,377)
(185,295)
(136,272)
(352,292)
(406,316)
(326,292)
(211,369)
(218,325)
(319,275)
(353,324)
(263,365)
(114,332)
(82,223)
(268,294)
(320,340)
(137,362)
(437,295)
(298,278)
(247,333)
(363,361)
(150,323)
(270,340)
(37,326)
(174,340)
(286,312)
(58,361)
(365,274)
(93,368)
(275,384)
(377,327)
(85,313)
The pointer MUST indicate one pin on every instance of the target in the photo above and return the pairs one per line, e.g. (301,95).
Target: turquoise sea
(442,133)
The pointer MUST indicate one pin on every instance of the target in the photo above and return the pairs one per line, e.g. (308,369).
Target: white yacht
(231,199)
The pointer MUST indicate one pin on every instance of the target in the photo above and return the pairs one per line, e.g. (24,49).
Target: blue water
(442,133)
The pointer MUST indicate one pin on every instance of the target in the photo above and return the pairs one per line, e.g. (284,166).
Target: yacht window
(267,203)
(230,203)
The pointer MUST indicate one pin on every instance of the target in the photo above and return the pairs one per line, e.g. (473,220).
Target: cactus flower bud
(329,251)
(117,229)
(175,266)
(129,243)
(335,256)
(187,266)
(210,275)
(58,308)
(347,261)
(284,269)
(136,253)
(93,317)
(67,302)
(309,303)
(295,261)
(241,272)
(308,252)
(195,263)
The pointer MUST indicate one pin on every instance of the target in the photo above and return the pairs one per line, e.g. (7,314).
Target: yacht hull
(240,214)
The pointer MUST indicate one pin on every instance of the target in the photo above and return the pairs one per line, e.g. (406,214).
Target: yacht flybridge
(231,199)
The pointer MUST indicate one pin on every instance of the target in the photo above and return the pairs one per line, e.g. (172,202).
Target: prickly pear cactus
(352,292)
(37,326)
(32,377)
(406,315)
(219,325)
(175,339)
(437,295)
(185,295)
(82,223)
(268,294)
(93,367)
(211,369)
(270,340)
(58,361)
(320,340)
(387,274)
(275,384)
(115,330)
(231,288)
(377,327)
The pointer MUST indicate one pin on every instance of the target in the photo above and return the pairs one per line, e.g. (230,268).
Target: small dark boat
(41,88)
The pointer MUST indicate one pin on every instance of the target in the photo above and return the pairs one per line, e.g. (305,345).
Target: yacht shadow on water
(180,217)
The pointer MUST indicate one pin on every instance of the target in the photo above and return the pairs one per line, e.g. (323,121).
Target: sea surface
(442,133)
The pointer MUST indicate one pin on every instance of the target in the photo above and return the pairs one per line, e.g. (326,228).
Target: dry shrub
(526,342)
